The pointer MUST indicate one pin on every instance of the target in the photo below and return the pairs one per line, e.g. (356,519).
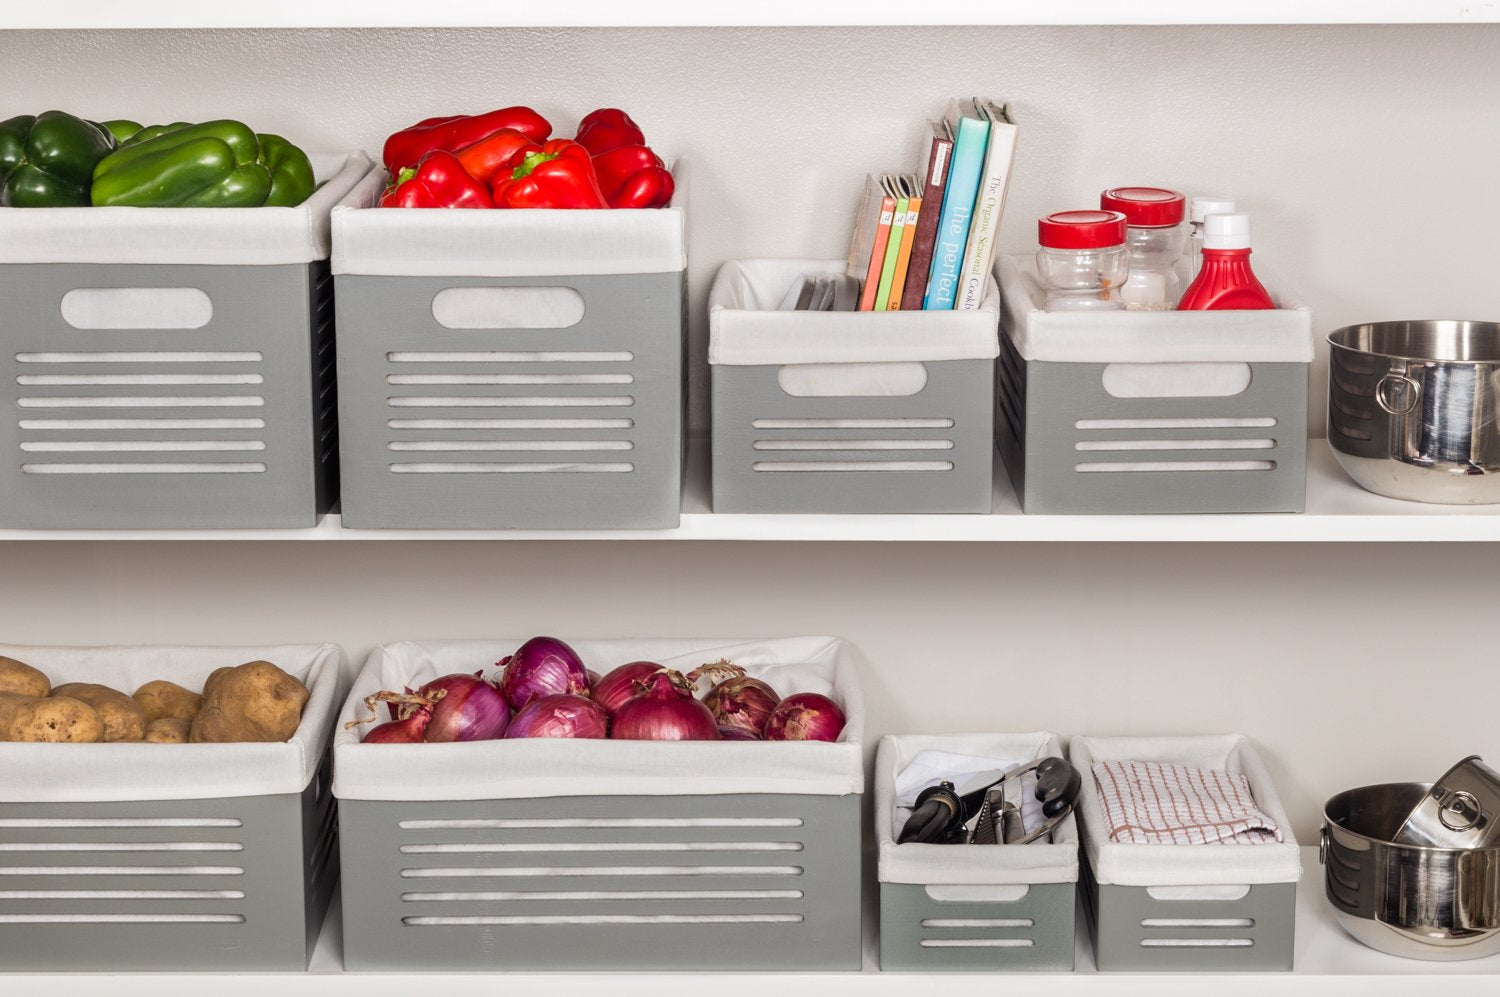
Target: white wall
(1367,155)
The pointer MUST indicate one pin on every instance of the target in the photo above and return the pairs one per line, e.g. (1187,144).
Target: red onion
(408,731)
(737,734)
(562,715)
(666,711)
(742,702)
(593,679)
(623,684)
(543,666)
(805,716)
(464,708)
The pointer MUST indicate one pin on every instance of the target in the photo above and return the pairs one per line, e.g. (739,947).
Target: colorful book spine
(958,209)
(931,181)
(989,205)
(903,259)
(877,254)
(892,252)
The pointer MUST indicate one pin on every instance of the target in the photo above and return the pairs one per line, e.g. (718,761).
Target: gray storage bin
(552,854)
(973,908)
(1150,412)
(846,412)
(145,857)
(170,368)
(1227,908)
(510,369)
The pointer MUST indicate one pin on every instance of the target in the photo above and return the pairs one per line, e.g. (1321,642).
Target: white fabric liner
(529,768)
(1280,335)
(966,865)
(507,308)
(102,773)
(439,242)
(746,329)
(1183,865)
(214,236)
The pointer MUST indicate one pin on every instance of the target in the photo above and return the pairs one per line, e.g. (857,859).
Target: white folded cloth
(1151,803)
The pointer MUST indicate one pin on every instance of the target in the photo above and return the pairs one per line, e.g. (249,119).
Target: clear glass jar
(1153,218)
(1200,208)
(1082,260)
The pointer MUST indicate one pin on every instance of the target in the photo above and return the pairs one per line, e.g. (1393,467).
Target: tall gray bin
(510,369)
(559,854)
(169,858)
(170,368)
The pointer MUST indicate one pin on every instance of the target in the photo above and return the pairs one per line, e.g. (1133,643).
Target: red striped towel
(1149,803)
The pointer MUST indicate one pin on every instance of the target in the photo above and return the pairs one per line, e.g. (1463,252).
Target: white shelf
(1337,510)
(650,13)
(1328,963)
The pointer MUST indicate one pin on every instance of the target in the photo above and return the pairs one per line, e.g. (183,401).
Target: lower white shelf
(1337,510)
(1328,962)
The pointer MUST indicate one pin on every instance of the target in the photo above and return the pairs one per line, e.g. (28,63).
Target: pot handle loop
(1323,845)
(1397,393)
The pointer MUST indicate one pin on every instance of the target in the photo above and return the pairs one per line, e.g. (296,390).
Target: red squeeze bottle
(1226,281)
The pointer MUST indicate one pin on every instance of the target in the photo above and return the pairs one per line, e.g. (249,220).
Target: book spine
(933,180)
(958,211)
(903,257)
(892,251)
(989,206)
(877,254)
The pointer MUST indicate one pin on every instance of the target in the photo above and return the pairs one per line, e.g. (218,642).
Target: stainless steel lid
(1461,810)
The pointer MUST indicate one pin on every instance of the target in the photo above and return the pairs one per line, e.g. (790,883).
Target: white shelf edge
(1328,963)
(190,14)
(1338,511)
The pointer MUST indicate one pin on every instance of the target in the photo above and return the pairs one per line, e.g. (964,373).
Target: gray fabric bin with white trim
(846,412)
(992,908)
(510,369)
(170,368)
(1104,412)
(148,857)
(1187,908)
(564,854)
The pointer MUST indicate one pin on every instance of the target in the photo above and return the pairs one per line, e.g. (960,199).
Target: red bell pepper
(608,128)
(632,176)
(559,174)
(438,181)
(452,133)
(490,154)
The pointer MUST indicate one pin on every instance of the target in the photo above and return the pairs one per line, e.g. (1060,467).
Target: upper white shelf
(1337,510)
(653,13)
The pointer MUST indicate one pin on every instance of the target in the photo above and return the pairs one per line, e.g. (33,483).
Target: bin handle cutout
(136,308)
(852,380)
(1176,380)
(507,308)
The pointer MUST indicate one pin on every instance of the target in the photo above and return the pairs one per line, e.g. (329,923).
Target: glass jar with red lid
(1153,235)
(1082,260)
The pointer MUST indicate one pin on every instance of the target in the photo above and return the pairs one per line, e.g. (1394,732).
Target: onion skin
(666,711)
(469,709)
(562,715)
(543,666)
(743,702)
(805,716)
(620,685)
(412,730)
(727,733)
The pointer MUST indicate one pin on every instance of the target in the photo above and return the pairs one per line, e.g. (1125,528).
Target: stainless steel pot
(1409,900)
(1412,409)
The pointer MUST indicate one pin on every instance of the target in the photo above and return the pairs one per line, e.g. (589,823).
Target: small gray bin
(1233,912)
(194,884)
(169,368)
(1150,412)
(510,369)
(973,908)
(846,412)
(540,854)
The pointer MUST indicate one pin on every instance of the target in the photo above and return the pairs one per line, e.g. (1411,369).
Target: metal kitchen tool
(1412,409)
(940,814)
(1413,901)
(1462,810)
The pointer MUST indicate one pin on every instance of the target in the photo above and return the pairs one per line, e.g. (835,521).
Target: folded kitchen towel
(1150,803)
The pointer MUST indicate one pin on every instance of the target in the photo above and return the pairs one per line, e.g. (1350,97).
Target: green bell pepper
(216,164)
(122,129)
(48,159)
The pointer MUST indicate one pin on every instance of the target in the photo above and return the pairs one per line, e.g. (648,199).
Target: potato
(20,679)
(122,717)
(168,730)
(55,719)
(254,702)
(162,699)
